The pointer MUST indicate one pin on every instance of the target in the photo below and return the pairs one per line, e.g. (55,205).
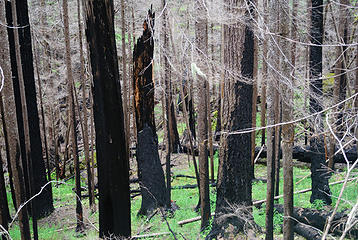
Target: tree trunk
(264,79)
(43,205)
(72,117)
(234,176)
(150,172)
(272,98)
(287,112)
(112,157)
(201,41)
(12,129)
(5,66)
(340,80)
(125,94)
(85,115)
(319,176)
(168,102)
(43,125)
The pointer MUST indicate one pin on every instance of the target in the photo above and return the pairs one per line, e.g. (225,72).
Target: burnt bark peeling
(43,204)
(112,156)
(150,172)
(319,175)
(234,175)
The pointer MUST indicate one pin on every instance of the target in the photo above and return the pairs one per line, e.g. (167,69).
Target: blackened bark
(43,204)
(319,176)
(234,176)
(150,172)
(189,104)
(6,140)
(174,134)
(112,157)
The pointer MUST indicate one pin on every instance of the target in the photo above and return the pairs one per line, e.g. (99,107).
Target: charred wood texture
(150,172)
(43,205)
(320,187)
(234,175)
(112,156)
(318,218)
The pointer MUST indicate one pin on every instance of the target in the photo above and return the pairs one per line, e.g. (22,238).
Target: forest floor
(62,222)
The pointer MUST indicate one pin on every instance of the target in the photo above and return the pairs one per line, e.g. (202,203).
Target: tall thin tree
(320,187)
(201,41)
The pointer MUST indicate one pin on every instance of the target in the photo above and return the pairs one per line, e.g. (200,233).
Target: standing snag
(150,172)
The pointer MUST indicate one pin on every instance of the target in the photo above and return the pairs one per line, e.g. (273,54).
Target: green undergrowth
(60,224)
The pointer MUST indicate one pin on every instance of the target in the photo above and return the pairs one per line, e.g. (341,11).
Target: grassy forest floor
(62,222)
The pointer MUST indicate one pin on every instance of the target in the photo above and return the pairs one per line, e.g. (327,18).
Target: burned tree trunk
(319,176)
(112,156)
(43,204)
(150,172)
(234,176)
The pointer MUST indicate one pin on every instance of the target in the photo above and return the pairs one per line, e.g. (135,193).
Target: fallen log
(186,149)
(318,218)
(191,186)
(307,231)
(260,202)
(303,154)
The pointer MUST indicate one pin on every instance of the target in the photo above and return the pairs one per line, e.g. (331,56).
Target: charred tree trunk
(5,66)
(12,131)
(43,204)
(154,192)
(319,176)
(201,40)
(112,157)
(234,176)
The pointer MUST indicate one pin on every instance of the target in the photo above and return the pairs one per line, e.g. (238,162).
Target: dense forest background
(230,119)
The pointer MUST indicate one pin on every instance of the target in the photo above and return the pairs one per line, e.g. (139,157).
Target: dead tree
(319,176)
(201,41)
(112,156)
(287,112)
(272,98)
(234,176)
(150,172)
(43,204)
(72,119)
(85,114)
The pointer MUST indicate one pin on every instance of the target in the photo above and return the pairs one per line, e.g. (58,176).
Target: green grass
(186,201)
